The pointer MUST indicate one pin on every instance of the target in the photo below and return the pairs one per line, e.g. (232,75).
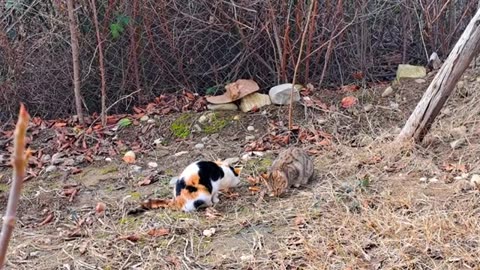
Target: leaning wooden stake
(20,159)
(443,84)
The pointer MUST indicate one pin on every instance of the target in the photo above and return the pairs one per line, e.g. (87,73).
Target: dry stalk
(102,65)
(305,28)
(20,161)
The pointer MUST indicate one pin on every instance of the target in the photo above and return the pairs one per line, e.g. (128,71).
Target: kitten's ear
(237,170)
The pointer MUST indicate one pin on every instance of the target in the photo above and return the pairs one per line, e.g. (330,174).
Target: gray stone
(249,138)
(222,107)
(199,146)
(152,164)
(420,81)
(280,94)
(46,158)
(50,168)
(387,92)
(368,107)
(151,121)
(69,162)
(57,158)
(144,118)
(457,143)
(254,100)
(136,168)
(250,128)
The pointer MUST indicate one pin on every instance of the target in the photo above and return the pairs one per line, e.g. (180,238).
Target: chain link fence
(171,45)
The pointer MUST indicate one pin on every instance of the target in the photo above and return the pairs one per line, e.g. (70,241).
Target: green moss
(215,124)
(181,126)
(259,165)
(135,195)
(108,169)
(3,187)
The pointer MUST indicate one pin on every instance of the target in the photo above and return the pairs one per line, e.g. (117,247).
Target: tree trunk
(444,82)
(101,64)
(76,61)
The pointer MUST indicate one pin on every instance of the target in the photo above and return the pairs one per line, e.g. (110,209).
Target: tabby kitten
(293,167)
(199,184)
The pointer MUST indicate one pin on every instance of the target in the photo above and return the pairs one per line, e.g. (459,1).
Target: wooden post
(441,87)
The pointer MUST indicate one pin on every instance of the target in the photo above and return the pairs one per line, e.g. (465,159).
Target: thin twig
(20,161)
(290,107)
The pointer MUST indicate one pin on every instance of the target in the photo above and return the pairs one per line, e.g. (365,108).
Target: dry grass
(367,209)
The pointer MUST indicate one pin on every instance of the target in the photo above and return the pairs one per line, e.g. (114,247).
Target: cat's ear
(237,170)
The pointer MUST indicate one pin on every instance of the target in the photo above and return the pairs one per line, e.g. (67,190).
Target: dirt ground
(373,204)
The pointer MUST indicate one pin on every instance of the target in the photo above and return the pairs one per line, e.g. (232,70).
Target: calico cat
(199,183)
(293,167)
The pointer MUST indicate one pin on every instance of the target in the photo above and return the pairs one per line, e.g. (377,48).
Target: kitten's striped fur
(293,167)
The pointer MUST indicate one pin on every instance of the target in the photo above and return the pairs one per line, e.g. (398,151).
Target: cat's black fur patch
(179,186)
(191,189)
(233,170)
(198,203)
(209,171)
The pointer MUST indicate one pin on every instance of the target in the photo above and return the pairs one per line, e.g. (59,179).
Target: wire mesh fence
(170,45)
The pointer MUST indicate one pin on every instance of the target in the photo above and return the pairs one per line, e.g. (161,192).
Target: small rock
(69,162)
(368,107)
(199,146)
(80,159)
(57,158)
(460,85)
(196,127)
(108,159)
(231,160)
(321,121)
(250,128)
(236,117)
(420,81)
(209,232)
(248,257)
(249,138)
(434,61)
(410,71)
(151,121)
(181,153)
(202,119)
(433,180)
(477,79)
(136,168)
(51,168)
(475,180)
(423,179)
(254,100)
(387,92)
(222,107)
(394,105)
(45,158)
(152,164)
(457,143)
(144,118)
(280,94)
(205,139)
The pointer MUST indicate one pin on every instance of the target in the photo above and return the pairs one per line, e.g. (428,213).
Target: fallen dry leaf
(349,101)
(129,157)
(156,203)
(254,189)
(211,213)
(350,88)
(100,208)
(156,232)
(131,237)
(47,220)
(149,179)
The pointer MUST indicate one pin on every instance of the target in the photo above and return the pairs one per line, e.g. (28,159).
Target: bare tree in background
(100,62)
(76,61)
(466,48)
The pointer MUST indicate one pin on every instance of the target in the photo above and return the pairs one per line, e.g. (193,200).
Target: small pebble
(144,118)
(250,128)
(423,179)
(136,168)
(199,146)
(249,138)
(151,121)
(108,159)
(205,139)
(433,180)
(209,232)
(51,168)
(236,117)
(475,180)
(388,91)
(181,153)
(152,164)
(367,107)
